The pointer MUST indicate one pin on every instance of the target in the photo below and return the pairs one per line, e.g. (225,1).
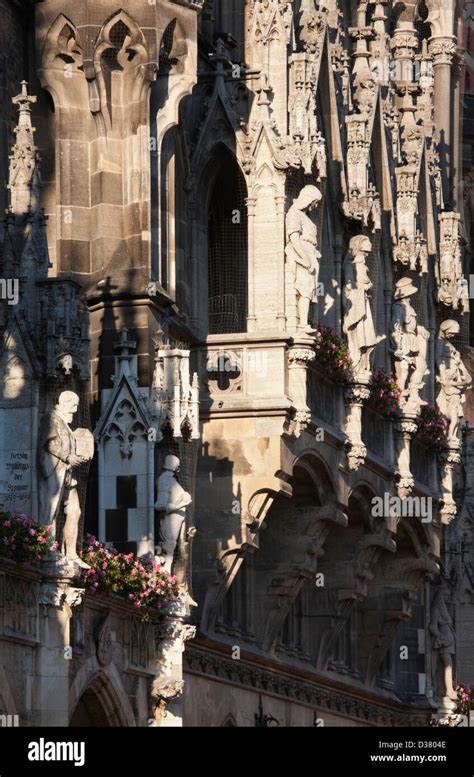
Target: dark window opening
(227,240)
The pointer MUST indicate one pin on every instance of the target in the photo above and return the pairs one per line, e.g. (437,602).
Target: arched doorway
(89,712)
(100,706)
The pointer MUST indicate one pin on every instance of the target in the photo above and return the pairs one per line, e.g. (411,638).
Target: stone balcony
(99,673)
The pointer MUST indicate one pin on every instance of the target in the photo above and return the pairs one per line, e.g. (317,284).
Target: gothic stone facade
(219,180)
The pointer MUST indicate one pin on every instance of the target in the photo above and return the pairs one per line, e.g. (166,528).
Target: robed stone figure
(358,323)
(171,503)
(60,450)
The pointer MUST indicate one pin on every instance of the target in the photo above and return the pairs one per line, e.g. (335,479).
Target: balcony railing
(323,396)
(375,432)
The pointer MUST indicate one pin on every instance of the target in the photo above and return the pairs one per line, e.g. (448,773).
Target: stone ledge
(299,687)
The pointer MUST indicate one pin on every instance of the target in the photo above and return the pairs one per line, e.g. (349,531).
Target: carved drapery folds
(302,254)
(409,346)
(453,380)
(358,323)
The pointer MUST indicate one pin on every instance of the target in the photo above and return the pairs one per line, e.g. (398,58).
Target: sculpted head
(308,197)
(360,244)
(448,329)
(404,288)
(171,463)
(67,404)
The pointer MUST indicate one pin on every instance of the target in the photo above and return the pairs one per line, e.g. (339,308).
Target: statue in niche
(171,502)
(404,335)
(299,110)
(358,324)
(60,451)
(443,646)
(417,380)
(453,378)
(301,251)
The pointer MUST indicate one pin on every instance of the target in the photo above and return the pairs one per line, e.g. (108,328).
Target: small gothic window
(227,241)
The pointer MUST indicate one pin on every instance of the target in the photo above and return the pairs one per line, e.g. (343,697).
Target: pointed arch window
(227,248)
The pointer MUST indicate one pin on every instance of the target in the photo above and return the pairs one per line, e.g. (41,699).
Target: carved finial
(24,178)
(124,348)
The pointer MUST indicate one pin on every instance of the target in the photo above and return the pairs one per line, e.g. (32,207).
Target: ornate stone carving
(317,696)
(24,178)
(358,324)
(54,595)
(452,377)
(58,457)
(312,30)
(409,347)
(171,503)
(164,690)
(103,640)
(355,395)
(301,252)
(452,286)
(405,429)
(443,648)
(305,139)
(442,49)
(174,395)
(64,328)
(412,253)
(299,359)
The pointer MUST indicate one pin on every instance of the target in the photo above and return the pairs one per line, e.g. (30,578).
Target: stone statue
(301,252)
(453,378)
(357,322)
(404,334)
(298,109)
(443,642)
(60,450)
(171,500)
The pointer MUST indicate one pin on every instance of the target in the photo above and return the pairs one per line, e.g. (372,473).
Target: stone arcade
(196,189)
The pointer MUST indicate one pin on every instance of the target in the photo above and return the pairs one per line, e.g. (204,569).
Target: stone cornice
(260,674)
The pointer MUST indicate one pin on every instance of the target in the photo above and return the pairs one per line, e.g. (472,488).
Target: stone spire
(24,178)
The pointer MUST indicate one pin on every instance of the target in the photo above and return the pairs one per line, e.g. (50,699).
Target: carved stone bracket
(449,460)
(56,595)
(299,359)
(354,396)
(405,428)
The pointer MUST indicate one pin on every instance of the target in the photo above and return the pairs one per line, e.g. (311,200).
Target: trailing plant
(332,355)
(144,583)
(384,393)
(432,427)
(22,540)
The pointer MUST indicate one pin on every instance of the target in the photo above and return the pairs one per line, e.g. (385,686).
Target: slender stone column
(443,49)
(51,697)
(251,317)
